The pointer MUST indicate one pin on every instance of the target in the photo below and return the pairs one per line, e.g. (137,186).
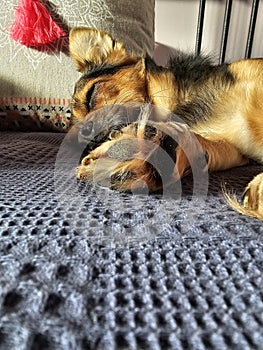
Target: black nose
(87,129)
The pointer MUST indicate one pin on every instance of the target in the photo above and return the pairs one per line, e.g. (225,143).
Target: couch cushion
(36,84)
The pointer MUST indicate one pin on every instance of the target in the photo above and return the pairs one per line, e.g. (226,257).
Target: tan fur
(88,49)
(161,89)
(112,91)
(229,136)
(241,107)
(253,199)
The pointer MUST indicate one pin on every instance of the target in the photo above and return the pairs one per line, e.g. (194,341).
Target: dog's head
(111,76)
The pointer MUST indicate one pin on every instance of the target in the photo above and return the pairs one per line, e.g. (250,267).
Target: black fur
(96,72)
(99,71)
(192,73)
(162,167)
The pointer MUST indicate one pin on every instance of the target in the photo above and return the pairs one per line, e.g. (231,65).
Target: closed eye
(90,97)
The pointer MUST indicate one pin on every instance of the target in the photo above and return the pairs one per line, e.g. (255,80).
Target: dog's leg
(156,154)
(221,154)
(252,199)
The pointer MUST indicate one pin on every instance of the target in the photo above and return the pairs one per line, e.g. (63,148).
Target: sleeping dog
(221,104)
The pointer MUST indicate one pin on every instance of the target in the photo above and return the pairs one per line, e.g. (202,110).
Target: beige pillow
(36,84)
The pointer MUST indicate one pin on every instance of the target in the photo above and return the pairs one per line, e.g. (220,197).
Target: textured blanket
(70,280)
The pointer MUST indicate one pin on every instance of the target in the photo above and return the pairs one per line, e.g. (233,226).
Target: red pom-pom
(33,24)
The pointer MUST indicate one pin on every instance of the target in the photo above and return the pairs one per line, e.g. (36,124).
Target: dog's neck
(162,86)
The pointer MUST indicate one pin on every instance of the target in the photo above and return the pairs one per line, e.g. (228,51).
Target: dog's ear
(92,47)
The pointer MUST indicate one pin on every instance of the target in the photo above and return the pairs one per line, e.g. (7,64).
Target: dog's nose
(87,129)
(85,133)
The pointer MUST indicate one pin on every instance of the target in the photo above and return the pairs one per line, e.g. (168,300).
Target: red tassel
(33,24)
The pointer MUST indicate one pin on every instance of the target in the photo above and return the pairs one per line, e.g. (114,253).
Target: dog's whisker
(105,99)
(159,95)
(120,99)
(157,92)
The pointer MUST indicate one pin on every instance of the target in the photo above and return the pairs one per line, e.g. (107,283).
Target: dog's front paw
(253,196)
(111,173)
(138,156)
(113,164)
